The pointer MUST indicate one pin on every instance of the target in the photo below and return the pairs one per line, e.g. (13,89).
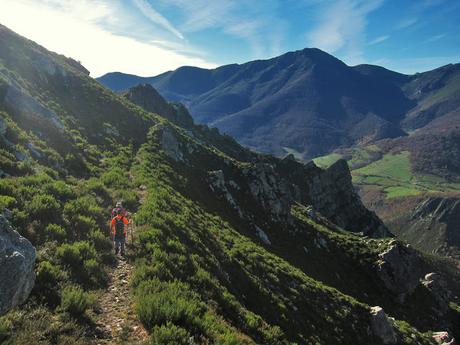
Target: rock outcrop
(275,185)
(439,289)
(17,258)
(383,326)
(332,194)
(145,96)
(400,269)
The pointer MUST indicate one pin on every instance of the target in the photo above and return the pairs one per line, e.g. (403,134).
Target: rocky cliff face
(145,96)
(270,185)
(433,226)
(17,258)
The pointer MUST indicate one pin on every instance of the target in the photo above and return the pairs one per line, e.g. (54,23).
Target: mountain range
(308,102)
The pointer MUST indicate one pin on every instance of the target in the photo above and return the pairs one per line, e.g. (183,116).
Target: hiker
(118,228)
(118,206)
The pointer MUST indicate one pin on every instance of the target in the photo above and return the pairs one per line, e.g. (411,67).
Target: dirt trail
(117,321)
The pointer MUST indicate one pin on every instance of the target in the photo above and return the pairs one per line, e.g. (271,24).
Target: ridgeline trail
(117,322)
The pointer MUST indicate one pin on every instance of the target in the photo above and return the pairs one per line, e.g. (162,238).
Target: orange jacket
(114,219)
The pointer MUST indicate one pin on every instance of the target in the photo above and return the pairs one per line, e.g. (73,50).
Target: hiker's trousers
(119,245)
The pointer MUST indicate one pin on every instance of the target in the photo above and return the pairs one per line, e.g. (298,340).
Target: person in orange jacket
(118,228)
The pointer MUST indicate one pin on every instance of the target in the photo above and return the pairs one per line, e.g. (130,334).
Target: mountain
(229,246)
(308,102)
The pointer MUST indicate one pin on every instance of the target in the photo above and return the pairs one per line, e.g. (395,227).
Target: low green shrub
(43,207)
(55,232)
(47,281)
(6,202)
(169,334)
(75,301)
(161,302)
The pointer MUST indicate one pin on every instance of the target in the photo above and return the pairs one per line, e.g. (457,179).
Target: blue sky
(147,37)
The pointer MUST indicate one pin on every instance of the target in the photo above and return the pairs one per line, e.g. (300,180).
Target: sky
(148,37)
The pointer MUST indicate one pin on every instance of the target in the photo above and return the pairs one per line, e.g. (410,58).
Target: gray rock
(400,269)
(438,288)
(382,326)
(24,104)
(263,236)
(170,144)
(3,127)
(17,258)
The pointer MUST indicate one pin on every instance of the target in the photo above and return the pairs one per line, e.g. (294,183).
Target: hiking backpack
(119,227)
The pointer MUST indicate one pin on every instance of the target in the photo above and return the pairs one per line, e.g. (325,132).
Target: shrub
(96,275)
(115,178)
(47,283)
(60,190)
(161,302)
(6,202)
(55,232)
(169,334)
(82,206)
(75,301)
(129,198)
(82,225)
(43,207)
(101,243)
(74,254)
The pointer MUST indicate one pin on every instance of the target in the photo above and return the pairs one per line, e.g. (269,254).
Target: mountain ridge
(306,101)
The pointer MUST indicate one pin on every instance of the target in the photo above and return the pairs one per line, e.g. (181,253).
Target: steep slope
(235,247)
(433,226)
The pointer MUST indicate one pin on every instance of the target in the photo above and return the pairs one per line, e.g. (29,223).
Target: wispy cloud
(378,40)
(435,38)
(406,22)
(156,17)
(86,33)
(254,22)
(342,28)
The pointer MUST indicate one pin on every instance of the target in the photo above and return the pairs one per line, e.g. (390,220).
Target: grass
(393,175)
(327,161)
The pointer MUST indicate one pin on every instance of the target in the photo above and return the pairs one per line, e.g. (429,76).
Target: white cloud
(378,40)
(341,28)
(253,21)
(156,17)
(76,29)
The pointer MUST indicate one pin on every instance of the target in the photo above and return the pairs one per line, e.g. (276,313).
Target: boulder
(17,258)
(382,326)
